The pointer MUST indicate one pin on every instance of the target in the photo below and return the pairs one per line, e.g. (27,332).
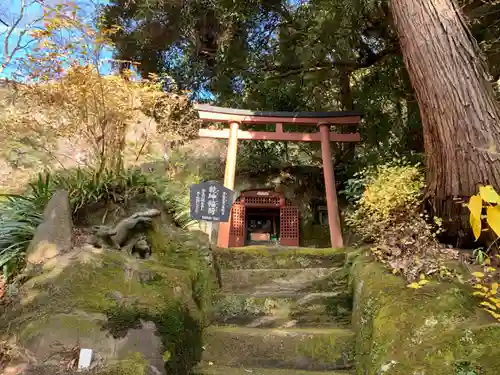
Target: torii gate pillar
(323,120)
(331,190)
(229,177)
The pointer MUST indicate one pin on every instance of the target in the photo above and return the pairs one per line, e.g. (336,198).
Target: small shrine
(235,232)
(263,216)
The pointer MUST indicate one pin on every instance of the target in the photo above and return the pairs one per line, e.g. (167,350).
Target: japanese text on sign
(210,201)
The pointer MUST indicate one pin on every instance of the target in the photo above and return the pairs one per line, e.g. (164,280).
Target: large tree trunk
(459,113)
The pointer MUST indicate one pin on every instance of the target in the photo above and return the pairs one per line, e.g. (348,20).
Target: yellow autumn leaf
(475,206)
(494,286)
(494,314)
(478,286)
(488,194)
(478,274)
(488,305)
(478,294)
(493,218)
(487,261)
(491,269)
(423,282)
(413,286)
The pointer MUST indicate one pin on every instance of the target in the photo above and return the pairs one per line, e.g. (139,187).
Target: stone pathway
(280,318)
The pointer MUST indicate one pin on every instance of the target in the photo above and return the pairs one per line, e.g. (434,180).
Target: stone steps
(315,349)
(278,310)
(221,370)
(283,258)
(258,281)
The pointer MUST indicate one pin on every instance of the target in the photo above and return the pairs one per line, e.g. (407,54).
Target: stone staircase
(280,311)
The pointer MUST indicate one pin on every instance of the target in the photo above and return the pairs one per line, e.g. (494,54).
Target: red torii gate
(323,120)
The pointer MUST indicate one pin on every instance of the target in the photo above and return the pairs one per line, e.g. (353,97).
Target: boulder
(53,236)
(435,330)
(131,312)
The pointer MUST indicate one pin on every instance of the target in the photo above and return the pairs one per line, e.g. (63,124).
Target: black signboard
(210,201)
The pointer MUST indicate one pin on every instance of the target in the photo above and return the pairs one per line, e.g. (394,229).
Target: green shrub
(19,217)
(383,194)
(388,215)
(85,188)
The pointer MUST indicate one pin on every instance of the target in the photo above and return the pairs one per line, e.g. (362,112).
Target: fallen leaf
(414,286)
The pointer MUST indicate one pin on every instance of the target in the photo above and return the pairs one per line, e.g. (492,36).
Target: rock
(16,369)
(53,236)
(117,296)
(113,304)
(410,331)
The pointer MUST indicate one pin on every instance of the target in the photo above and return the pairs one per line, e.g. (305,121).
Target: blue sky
(10,13)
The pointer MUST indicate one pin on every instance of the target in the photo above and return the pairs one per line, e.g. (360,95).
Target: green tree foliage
(279,55)
(291,55)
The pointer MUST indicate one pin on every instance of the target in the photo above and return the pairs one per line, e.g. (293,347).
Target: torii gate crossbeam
(323,120)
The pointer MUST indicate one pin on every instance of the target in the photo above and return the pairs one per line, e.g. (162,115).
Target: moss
(313,349)
(314,234)
(218,370)
(121,292)
(133,364)
(427,330)
(337,347)
(336,282)
(78,324)
(243,309)
(265,257)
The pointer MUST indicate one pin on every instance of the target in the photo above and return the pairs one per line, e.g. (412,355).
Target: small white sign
(85,359)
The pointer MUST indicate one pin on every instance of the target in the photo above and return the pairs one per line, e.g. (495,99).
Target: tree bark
(460,116)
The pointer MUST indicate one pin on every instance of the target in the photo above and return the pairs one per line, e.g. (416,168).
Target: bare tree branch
(9,52)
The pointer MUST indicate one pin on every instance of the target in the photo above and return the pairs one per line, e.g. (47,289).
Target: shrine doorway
(263,216)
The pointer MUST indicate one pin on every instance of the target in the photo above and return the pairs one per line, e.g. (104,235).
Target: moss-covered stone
(308,349)
(222,370)
(132,364)
(435,330)
(301,310)
(243,310)
(116,304)
(323,309)
(267,257)
(275,280)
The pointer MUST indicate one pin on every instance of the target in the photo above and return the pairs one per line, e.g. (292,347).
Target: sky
(9,13)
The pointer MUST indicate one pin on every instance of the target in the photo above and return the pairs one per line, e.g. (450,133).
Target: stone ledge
(302,349)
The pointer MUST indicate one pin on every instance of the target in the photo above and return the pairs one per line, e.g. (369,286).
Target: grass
(20,215)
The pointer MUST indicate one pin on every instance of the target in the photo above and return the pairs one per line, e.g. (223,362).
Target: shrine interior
(262,225)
